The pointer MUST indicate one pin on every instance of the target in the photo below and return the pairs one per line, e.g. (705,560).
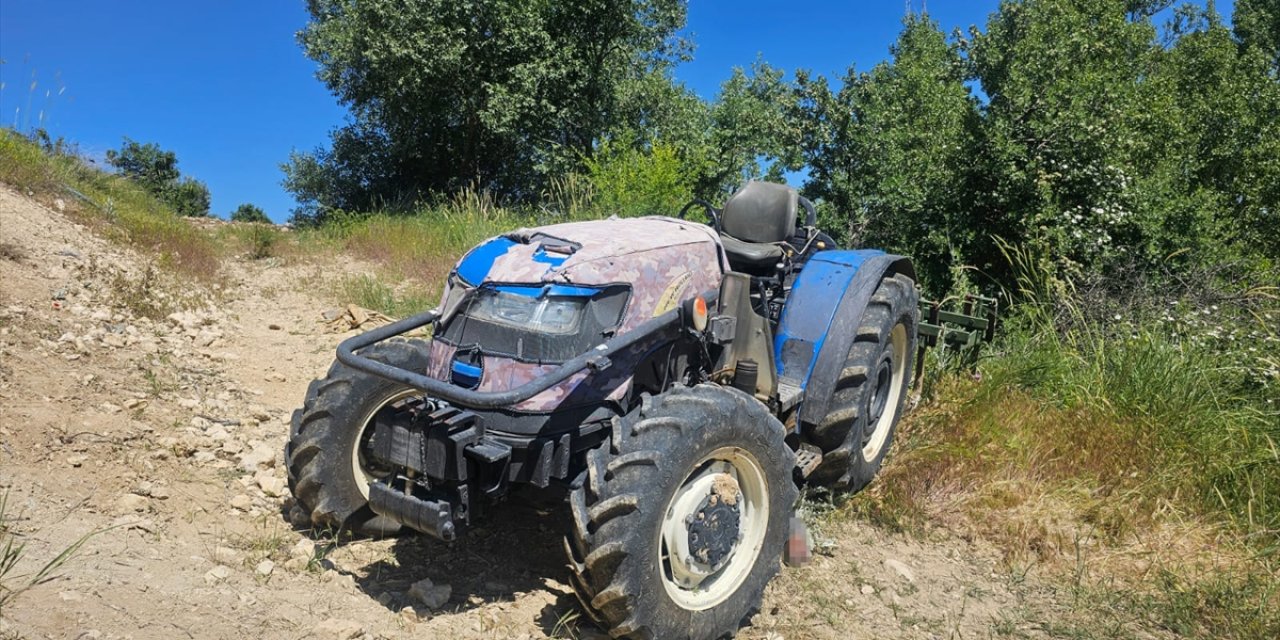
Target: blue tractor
(679,379)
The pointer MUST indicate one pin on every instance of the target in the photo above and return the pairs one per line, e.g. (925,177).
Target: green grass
(417,251)
(372,293)
(122,210)
(1132,454)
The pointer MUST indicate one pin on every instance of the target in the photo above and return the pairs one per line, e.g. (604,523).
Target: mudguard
(821,317)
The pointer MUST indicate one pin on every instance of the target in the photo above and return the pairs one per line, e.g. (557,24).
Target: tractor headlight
(554,315)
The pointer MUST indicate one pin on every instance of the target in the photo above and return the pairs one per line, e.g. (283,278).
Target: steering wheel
(712,215)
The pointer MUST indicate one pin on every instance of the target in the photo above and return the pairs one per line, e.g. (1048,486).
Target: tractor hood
(662,260)
(520,303)
(597,252)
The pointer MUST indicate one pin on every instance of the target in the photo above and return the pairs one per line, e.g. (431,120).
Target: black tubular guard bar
(596,358)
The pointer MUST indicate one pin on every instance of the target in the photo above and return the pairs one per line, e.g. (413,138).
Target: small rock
(144,488)
(261,456)
(77,459)
(270,485)
(265,568)
(131,502)
(274,377)
(868,590)
(225,555)
(273,327)
(430,594)
(135,403)
(217,574)
(241,502)
(305,549)
(901,569)
(409,615)
(338,629)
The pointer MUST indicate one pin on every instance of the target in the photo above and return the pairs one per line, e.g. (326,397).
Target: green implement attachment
(963,332)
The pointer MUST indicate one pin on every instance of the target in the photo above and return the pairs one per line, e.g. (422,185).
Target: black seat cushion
(751,257)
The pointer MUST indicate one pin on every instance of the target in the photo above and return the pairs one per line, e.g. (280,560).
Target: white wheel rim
(359,467)
(692,584)
(898,359)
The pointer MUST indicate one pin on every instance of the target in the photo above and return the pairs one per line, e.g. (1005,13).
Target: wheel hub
(714,530)
(879,397)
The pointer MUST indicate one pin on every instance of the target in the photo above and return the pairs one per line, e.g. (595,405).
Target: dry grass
(110,204)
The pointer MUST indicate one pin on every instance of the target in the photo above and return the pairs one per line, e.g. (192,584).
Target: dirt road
(162,438)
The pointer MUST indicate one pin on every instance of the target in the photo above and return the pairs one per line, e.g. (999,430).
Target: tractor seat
(754,222)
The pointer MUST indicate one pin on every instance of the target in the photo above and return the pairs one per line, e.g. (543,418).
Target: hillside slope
(162,435)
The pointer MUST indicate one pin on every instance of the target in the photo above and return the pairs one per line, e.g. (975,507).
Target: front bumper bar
(596,359)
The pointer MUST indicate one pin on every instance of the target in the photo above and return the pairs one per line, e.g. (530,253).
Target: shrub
(634,182)
(249,213)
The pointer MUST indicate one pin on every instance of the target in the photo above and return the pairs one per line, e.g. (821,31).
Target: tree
(188,197)
(1257,26)
(156,170)
(249,213)
(496,94)
(889,153)
(146,164)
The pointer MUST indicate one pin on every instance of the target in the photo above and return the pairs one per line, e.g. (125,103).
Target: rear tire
(872,390)
(328,473)
(707,456)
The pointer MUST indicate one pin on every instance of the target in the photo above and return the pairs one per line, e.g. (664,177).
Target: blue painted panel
(556,290)
(554,259)
(811,307)
(466,375)
(475,266)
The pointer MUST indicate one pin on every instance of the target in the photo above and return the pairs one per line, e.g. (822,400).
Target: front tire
(693,494)
(873,387)
(329,473)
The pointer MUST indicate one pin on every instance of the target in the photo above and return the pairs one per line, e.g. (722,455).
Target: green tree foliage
(146,164)
(630,181)
(1098,141)
(492,94)
(1257,27)
(890,152)
(249,213)
(156,170)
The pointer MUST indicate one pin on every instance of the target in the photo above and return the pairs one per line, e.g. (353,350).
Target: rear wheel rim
(363,468)
(886,394)
(693,585)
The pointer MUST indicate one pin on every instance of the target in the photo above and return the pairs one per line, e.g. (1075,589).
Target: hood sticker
(673,294)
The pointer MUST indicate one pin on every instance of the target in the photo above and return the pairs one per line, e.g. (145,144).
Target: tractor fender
(820,320)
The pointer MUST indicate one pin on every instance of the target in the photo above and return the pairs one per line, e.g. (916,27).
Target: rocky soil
(150,416)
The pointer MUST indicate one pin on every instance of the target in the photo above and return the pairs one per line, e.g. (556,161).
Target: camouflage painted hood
(584,253)
(660,261)
(663,260)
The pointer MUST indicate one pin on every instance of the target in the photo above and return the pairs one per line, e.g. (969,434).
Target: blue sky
(225,85)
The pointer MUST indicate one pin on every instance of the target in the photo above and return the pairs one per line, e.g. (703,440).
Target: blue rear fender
(821,317)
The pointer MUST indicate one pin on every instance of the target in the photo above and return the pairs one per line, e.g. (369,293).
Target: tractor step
(807,459)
